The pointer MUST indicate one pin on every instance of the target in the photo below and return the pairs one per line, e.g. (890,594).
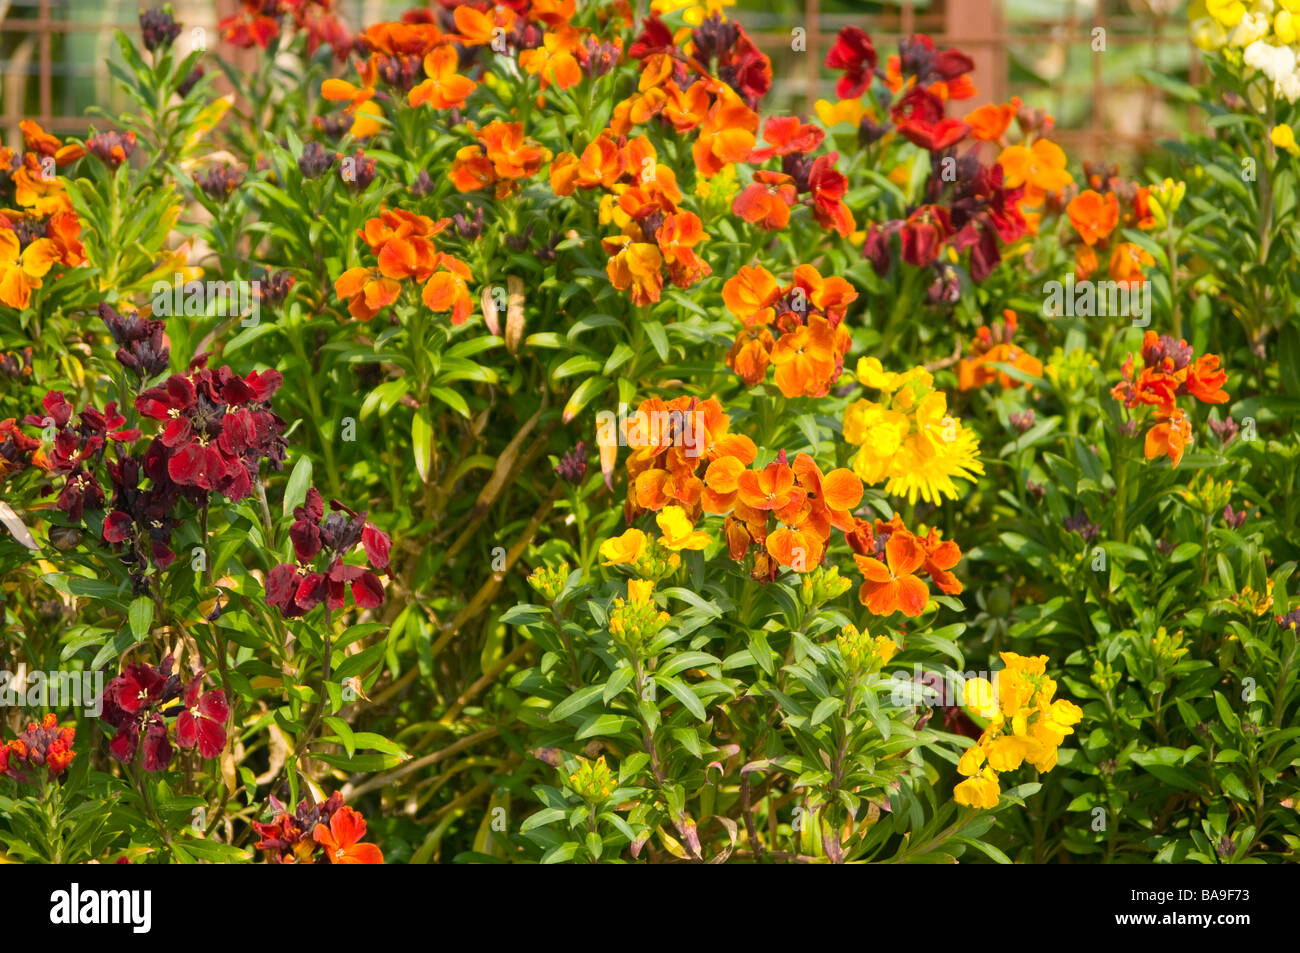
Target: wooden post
(975,28)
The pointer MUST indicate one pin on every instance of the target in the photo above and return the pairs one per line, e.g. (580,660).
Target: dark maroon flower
(315,160)
(158,29)
(357,171)
(1226,430)
(112,148)
(1234,519)
(142,344)
(219,182)
(133,704)
(573,465)
(202,722)
(1021,423)
(323,540)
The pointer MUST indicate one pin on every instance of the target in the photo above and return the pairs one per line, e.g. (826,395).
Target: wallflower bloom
(1093,216)
(910,439)
(341,839)
(22,269)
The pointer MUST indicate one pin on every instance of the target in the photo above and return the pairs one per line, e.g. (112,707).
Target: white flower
(1289,86)
(1253,26)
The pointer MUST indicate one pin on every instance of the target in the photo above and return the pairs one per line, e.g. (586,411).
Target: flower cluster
(862,652)
(991,347)
(1267,33)
(1024,724)
(893,559)
(320,575)
(501,158)
(403,247)
(138,703)
(1035,164)
(798,328)
(38,228)
(1170,370)
(908,438)
(593,781)
(329,829)
(217,428)
(642,200)
(259,22)
(1099,214)
(635,621)
(41,746)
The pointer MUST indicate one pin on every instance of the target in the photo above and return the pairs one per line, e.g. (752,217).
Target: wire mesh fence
(1081,59)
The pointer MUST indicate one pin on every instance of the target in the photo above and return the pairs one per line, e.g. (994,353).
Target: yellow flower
(971,760)
(871,373)
(978,695)
(640,590)
(980,792)
(848,111)
(678,531)
(1284,138)
(1007,753)
(1226,12)
(623,549)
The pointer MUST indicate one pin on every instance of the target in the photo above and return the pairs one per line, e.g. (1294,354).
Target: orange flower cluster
(1098,214)
(642,200)
(1170,370)
(893,559)
(1036,163)
(43,231)
(697,467)
(502,156)
(402,243)
(798,328)
(992,347)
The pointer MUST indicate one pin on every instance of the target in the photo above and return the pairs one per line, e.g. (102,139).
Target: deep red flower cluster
(219,427)
(138,702)
(76,451)
(320,575)
(43,745)
(260,22)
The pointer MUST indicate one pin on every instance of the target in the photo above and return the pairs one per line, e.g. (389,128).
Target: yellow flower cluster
(1024,724)
(593,781)
(635,621)
(909,438)
(646,556)
(862,652)
(1266,31)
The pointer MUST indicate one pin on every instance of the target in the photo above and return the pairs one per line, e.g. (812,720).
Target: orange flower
(1040,168)
(513,155)
(1093,216)
(750,356)
(471,170)
(787,135)
(805,359)
(771,488)
(677,238)
(990,122)
(444,88)
(750,294)
(831,295)
(366,291)
(1127,262)
(686,109)
(634,265)
(894,587)
(480,29)
(1169,438)
(767,202)
(21,269)
(555,61)
(342,839)
(448,291)
(726,135)
(42,143)
(1205,380)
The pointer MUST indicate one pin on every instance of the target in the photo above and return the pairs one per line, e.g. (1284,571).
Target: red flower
(828,186)
(853,53)
(203,722)
(919,116)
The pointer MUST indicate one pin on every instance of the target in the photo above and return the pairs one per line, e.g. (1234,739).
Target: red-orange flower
(341,840)
(1093,216)
(892,586)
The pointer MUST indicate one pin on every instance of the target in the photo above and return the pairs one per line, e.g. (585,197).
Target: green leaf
(141,617)
(295,491)
(422,444)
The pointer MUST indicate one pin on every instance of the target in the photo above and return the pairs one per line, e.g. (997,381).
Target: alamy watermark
(654,428)
(227,299)
(1101,299)
(33,690)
